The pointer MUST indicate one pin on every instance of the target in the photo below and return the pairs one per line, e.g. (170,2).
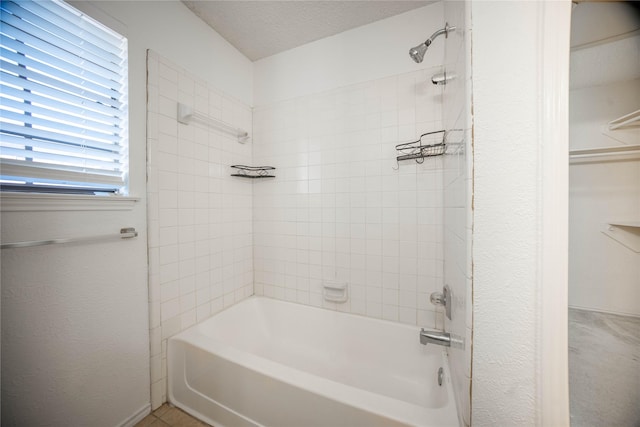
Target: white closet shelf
(627,233)
(625,223)
(618,151)
(631,120)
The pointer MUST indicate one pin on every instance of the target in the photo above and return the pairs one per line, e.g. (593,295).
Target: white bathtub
(265,362)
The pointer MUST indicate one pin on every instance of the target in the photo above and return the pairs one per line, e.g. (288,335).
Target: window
(63,101)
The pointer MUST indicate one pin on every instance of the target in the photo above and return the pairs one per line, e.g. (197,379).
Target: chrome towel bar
(125,233)
(186,114)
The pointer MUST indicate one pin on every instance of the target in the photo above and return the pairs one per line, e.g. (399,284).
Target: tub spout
(435,337)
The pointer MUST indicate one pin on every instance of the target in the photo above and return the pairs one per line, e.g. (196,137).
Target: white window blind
(63,101)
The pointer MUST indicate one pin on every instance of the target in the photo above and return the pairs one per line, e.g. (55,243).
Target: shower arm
(441,31)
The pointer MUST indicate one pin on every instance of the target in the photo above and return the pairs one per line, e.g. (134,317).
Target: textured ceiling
(262,28)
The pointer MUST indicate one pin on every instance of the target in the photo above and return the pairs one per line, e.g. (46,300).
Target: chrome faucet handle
(437,298)
(442,298)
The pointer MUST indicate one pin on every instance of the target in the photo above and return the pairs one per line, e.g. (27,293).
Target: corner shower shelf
(253,171)
(626,233)
(631,120)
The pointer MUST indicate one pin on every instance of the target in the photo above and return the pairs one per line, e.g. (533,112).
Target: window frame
(22,200)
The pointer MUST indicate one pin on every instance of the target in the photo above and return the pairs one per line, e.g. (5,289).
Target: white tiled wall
(338,211)
(199,217)
(340,208)
(458,194)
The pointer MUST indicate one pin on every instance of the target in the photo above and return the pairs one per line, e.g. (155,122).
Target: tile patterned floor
(170,416)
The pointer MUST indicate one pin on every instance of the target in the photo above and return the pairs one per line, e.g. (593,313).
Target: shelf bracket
(625,233)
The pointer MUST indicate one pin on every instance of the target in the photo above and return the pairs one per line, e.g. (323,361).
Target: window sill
(30,202)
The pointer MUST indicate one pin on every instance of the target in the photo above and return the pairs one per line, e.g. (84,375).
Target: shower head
(417,53)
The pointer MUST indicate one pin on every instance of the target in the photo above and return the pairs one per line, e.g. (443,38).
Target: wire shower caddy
(428,145)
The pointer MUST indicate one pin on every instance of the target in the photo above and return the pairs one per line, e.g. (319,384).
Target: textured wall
(505,213)
(74,335)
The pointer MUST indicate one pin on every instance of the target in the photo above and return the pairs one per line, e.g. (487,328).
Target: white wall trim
(597,310)
(137,416)
(30,202)
(552,317)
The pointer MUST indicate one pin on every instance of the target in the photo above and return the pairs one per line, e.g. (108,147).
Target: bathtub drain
(440,376)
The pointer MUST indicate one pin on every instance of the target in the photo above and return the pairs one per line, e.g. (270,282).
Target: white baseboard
(137,416)
(597,310)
